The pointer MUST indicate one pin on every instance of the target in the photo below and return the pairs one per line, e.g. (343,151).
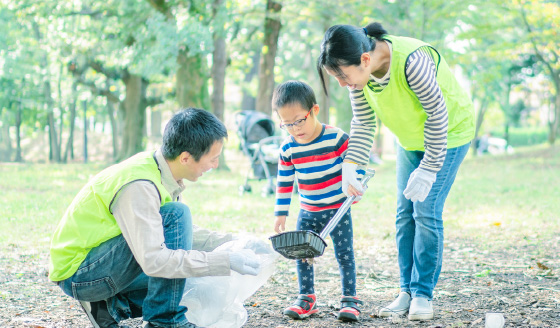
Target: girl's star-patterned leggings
(342,237)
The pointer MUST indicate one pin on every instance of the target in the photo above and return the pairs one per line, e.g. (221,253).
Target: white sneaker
(399,306)
(420,309)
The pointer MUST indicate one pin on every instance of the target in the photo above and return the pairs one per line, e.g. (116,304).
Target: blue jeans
(420,224)
(111,273)
(342,237)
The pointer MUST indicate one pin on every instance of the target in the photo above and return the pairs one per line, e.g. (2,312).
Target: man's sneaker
(349,310)
(420,309)
(302,308)
(98,314)
(398,307)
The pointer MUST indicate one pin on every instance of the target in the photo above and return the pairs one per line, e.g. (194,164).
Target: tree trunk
(249,102)
(344,114)
(70,141)
(60,106)
(272,27)
(155,123)
(324,102)
(114,131)
(479,119)
(54,153)
(192,81)
(19,157)
(219,63)
(134,115)
(6,150)
(554,126)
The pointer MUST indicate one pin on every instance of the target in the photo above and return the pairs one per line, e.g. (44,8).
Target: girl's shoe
(303,307)
(349,310)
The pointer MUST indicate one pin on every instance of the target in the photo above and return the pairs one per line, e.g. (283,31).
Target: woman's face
(355,77)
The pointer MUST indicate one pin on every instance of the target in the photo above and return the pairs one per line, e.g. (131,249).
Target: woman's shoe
(399,306)
(420,309)
(349,310)
(303,307)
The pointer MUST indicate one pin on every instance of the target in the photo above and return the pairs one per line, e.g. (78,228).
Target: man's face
(194,169)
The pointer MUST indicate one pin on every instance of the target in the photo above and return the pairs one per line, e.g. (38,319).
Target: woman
(408,85)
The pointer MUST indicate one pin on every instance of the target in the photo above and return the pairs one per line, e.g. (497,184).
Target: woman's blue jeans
(111,273)
(420,224)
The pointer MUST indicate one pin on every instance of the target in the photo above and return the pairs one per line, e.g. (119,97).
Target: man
(126,244)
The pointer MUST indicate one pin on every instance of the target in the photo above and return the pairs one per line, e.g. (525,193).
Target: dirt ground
(519,280)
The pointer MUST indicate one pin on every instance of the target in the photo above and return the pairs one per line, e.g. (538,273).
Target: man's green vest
(88,221)
(398,107)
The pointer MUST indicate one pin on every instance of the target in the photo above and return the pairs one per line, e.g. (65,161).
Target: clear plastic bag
(218,301)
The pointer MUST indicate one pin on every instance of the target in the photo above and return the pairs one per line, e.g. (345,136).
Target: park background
(84,84)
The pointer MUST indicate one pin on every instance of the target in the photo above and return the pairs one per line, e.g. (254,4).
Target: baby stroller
(257,141)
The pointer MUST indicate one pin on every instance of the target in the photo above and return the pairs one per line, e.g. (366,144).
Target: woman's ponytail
(375,30)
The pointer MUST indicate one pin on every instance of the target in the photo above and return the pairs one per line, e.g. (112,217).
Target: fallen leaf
(542,266)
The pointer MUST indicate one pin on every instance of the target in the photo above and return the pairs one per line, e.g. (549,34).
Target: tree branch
(98,91)
(537,52)
(160,6)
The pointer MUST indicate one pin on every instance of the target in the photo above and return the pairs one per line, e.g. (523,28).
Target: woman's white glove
(419,185)
(350,177)
(244,261)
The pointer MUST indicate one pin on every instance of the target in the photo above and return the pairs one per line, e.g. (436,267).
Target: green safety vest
(88,221)
(398,107)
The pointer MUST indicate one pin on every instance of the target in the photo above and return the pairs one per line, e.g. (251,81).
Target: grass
(514,197)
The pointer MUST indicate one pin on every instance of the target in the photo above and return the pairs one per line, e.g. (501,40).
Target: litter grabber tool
(307,244)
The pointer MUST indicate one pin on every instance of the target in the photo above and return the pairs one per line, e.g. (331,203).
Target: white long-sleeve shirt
(136,210)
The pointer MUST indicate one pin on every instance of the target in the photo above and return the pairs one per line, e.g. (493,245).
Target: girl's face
(301,123)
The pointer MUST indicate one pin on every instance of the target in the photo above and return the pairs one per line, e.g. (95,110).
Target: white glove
(244,262)
(419,185)
(350,177)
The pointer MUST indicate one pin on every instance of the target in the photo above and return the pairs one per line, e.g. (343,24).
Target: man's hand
(244,262)
(280,224)
(419,185)
(350,179)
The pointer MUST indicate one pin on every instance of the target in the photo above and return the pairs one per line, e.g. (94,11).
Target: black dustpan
(307,244)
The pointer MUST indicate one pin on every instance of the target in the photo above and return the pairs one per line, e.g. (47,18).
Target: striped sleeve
(285,181)
(421,73)
(362,128)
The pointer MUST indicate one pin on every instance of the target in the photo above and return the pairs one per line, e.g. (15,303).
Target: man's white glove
(350,177)
(244,262)
(419,185)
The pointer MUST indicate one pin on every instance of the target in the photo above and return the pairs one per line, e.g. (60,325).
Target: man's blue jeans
(111,273)
(420,224)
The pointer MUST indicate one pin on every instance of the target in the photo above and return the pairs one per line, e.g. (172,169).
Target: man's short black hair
(293,92)
(192,130)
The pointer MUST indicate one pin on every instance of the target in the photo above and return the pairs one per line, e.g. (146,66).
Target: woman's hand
(350,179)
(280,224)
(419,185)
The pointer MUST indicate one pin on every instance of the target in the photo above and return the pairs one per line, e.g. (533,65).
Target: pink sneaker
(303,307)
(349,310)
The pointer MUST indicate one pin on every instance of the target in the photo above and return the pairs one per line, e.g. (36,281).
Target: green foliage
(528,136)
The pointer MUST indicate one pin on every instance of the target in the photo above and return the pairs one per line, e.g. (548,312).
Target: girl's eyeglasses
(298,123)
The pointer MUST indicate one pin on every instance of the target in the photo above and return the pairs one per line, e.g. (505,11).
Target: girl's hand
(280,224)
(354,192)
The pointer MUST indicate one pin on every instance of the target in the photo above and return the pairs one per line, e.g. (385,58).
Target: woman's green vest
(88,222)
(398,107)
